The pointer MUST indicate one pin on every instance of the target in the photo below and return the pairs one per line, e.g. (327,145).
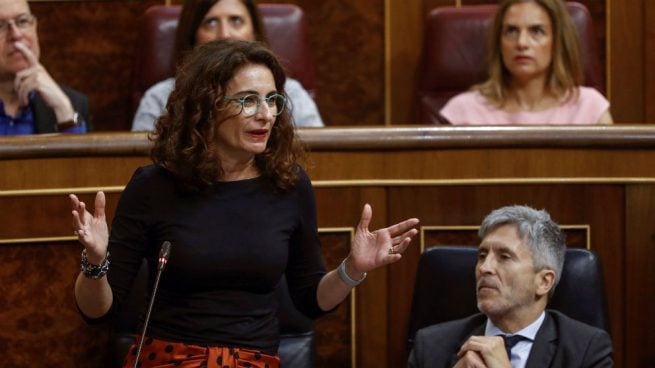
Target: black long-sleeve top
(231,246)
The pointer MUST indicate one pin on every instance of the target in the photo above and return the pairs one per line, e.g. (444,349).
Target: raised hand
(91,229)
(36,78)
(370,250)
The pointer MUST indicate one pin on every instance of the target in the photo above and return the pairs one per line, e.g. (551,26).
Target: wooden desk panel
(600,177)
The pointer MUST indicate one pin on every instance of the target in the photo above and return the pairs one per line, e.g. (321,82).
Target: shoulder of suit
(565,321)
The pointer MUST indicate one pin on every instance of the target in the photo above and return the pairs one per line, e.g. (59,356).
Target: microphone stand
(164,254)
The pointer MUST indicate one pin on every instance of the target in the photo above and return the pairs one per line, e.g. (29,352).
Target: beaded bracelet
(94,271)
(345,278)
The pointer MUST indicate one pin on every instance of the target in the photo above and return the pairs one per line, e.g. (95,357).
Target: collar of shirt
(529,331)
(521,351)
(22,123)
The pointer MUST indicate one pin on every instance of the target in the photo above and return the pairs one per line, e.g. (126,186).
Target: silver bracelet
(94,271)
(345,278)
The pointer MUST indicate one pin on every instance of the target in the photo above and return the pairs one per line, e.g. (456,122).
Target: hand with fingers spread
(91,229)
(370,250)
(36,78)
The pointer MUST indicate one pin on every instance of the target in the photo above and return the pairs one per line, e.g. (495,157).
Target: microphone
(164,255)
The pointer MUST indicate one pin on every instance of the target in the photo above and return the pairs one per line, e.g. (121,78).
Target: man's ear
(545,280)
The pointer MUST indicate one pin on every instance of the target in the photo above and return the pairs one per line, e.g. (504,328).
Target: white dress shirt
(520,351)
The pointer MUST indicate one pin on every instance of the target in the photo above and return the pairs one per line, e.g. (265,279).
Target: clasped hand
(483,352)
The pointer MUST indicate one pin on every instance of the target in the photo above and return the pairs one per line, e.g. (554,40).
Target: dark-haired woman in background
(202,21)
(535,73)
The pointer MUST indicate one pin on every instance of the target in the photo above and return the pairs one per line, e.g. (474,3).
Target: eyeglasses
(22,22)
(250,103)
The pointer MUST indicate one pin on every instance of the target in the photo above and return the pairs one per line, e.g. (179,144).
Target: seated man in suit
(519,264)
(30,100)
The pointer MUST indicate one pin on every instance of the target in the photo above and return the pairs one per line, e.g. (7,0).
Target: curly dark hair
(184,140)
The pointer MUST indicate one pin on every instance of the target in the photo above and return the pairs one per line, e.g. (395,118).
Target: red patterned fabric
(164,354)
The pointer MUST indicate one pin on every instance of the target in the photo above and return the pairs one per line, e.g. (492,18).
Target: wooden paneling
(404,37)
(626,60)
(649,61)
(334,342)
(39,325)
(593,177)
(640,253)
(577,236)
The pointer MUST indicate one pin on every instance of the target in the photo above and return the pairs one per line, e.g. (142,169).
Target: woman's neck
(234,170)
(530,96)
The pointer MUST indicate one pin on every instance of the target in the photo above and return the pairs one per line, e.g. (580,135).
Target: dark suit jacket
(561,342)
(45,120)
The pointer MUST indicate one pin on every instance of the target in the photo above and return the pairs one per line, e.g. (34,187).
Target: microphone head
(165,251)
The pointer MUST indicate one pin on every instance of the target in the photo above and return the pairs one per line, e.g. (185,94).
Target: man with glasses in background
(30,100)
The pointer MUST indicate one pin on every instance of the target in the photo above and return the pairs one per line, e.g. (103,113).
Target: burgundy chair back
(454,54)
(286,29)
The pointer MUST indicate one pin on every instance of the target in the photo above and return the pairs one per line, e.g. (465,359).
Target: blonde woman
(535,74)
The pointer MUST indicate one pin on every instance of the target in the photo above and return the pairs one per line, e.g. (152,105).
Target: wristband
(94,271)
(72,122)
(345,278)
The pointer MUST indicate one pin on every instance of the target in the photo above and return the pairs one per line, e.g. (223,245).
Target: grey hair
(541,234)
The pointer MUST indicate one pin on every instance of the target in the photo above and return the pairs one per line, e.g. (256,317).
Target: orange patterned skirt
(164,354)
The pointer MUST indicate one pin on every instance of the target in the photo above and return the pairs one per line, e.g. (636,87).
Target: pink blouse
(471,108)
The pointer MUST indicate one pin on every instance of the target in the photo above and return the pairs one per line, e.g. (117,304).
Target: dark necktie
(510,341)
